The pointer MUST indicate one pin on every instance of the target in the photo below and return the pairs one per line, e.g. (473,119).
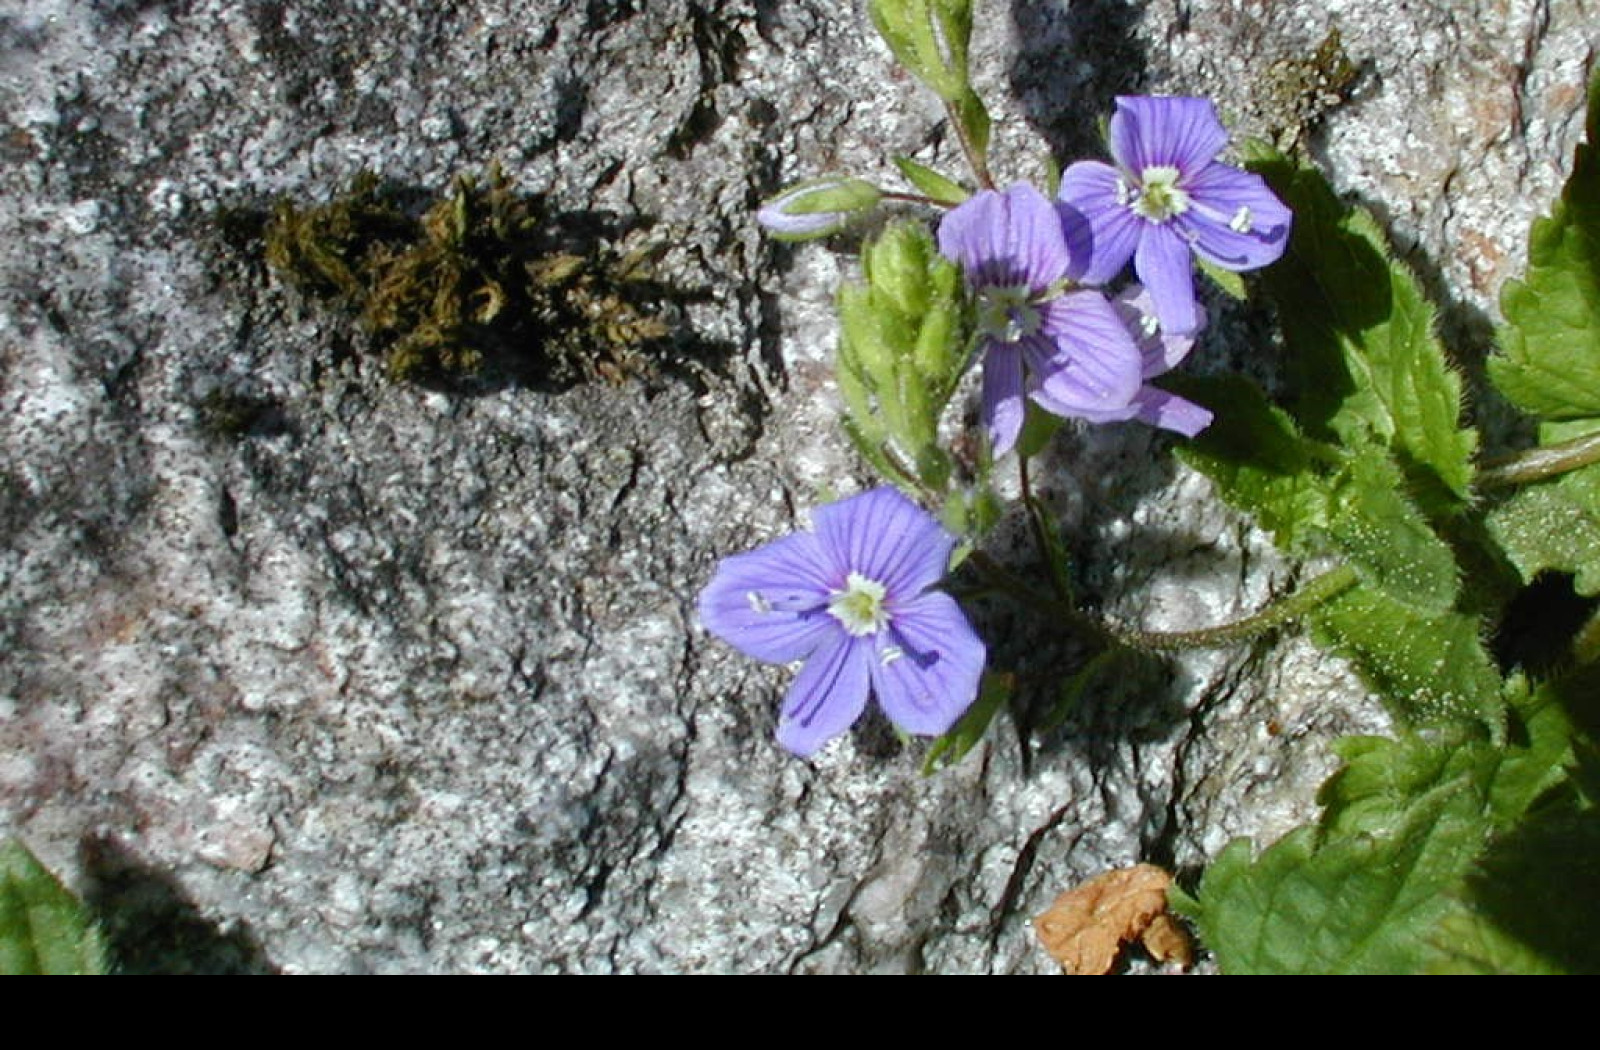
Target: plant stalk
(1537,464)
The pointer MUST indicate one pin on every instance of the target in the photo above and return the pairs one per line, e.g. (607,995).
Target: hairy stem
(1536,464)
(1318,591)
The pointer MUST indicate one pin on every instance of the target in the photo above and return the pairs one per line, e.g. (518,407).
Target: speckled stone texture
(408,679)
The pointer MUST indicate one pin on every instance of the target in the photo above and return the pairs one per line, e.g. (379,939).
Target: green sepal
(931,183)
(1550,343)
(44,929)
(902,347)
(842,200)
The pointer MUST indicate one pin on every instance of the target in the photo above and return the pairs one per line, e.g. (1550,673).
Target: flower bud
(816,208)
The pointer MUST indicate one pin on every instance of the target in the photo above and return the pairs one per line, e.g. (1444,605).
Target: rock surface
(409,679)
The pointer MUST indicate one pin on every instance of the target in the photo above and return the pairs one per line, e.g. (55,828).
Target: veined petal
(1182,133)
(1094,364)
(1162,263)
(1170,412)
(1089,195)
(1006,239)
(771,603)
(886,538)
(827,696)
(1002,396)
(1159,351)
(926,667)
(1236,221)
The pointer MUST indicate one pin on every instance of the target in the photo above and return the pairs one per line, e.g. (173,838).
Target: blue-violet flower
(1160,353)
(1167,196)
(1063,347)
(852,599)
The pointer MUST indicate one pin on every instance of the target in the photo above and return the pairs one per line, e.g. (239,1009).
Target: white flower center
(1160,197)
(1006,314)
(859,607)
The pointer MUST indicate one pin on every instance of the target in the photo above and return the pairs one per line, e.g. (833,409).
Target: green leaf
(931,183)
(1258,459)
(1231,282)
(1387,539)
(929,38)
(1554,526)
(1361,344)
(1357,904)
(974,120)
(1550,364)
(993,694)
(1442,852)
(1426,667)
(43,928)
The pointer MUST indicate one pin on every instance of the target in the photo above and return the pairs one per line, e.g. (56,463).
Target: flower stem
(1536,464)
(1318,591)
(914,198)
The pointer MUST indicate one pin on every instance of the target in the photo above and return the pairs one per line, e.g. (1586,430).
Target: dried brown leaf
(1086,927)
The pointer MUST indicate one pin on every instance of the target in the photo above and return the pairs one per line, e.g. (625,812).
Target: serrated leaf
(43,928)
(1427,668)
(1554,526)
(1387,539)
(1361,343)
(1258,459)
(1550,343)
(1357,904)
(931,183)
(1445,852)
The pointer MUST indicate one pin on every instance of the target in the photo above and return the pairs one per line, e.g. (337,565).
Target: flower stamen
(859,607)
(1160,197)
(1007,314)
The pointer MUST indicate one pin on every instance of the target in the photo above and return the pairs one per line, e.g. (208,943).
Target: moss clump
(482,275)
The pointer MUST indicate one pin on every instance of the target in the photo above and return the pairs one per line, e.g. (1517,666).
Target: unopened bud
(813,209)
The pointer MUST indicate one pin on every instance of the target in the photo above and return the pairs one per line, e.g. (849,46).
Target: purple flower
(1160,353)
(1168,196)
(852,600)
(1067,350)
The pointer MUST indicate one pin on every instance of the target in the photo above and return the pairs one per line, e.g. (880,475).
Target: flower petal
(887,538)
(1002,408)
(926,667)
(1170,412)
(827,696)
(1182,133)
(1162,263)
(771,603)
(1235,221)
(1089,196)
(1006,239)
(1094,363)
(1159,351)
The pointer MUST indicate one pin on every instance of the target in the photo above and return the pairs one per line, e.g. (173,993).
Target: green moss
(480,277)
